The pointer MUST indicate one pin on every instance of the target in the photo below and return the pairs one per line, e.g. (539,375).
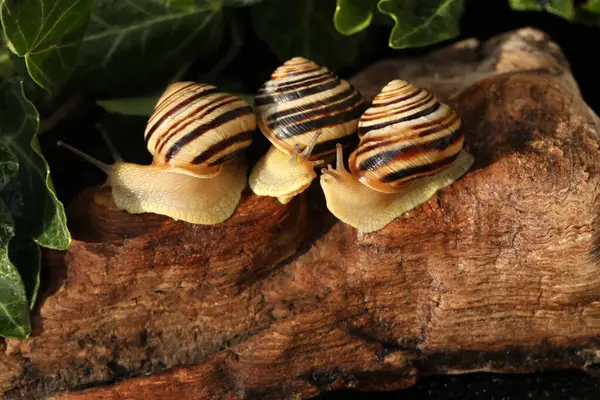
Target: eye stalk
(280,175)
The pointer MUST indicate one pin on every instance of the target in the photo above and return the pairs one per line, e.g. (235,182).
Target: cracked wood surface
(498,272)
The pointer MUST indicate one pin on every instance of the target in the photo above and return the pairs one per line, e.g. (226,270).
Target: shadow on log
(498,272)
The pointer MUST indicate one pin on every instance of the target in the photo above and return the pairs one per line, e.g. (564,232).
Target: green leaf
(353,16)
(588,14)
(304,28)
(562,8)
(139,106)
(48,34)
(34,92)
(142,43)
(14,308)
(25,254)
(34,216)
(422,22)
(592,6)
(54,233)
(30,194)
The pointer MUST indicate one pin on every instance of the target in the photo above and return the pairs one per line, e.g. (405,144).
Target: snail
(196,136)
(411,146)
(303,110)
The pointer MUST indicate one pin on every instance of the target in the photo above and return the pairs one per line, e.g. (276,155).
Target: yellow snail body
(304,110)
(411,146)
(197,136)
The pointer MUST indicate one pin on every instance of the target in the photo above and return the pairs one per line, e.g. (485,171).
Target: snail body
(303,110)
(197,136)
(411,146)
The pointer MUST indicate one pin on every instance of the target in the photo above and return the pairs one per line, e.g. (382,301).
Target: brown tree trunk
(499,272)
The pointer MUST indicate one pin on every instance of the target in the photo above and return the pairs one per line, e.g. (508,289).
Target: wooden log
(499,272)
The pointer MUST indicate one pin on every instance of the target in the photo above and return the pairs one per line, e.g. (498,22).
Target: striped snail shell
(411,146)
(303,98)
(196,135)
(303,106)
(197,128)
(406,134)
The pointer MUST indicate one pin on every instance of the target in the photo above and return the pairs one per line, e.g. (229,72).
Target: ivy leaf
(562,8)
(303,28)
(137,106)
(25,254)
(47,33)
(353,16)
(28,196)
(592,6)
(422,22)
(141,43)
(14,307)
(588,14)
(22,250)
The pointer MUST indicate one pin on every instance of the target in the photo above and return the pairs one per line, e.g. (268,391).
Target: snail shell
(304,110)
(197,128)
(406,134)
(303,98)
(411,146)
(196,136)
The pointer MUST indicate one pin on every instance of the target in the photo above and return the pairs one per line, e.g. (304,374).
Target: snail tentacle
(339,165)
(311,145)
(109,143)
(295,155)
(92,160)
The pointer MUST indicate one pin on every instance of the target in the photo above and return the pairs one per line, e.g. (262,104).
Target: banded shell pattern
(301,99)
(197,128)
(406,134)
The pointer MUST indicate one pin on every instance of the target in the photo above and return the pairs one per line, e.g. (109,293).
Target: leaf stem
(62,112)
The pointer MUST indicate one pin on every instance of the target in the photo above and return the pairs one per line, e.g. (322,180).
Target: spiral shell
(302,98)
(405,134)
(197,128)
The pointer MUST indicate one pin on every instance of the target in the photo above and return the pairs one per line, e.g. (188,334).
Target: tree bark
(499,272)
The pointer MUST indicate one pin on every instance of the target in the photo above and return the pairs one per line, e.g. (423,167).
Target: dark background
(556,385)
(482,19)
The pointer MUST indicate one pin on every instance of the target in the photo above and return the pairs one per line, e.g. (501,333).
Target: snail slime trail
(411,146)
(303,110)
(197,136)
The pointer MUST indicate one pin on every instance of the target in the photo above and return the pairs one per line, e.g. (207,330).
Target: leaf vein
(145,24)
(57,20)
(425,24)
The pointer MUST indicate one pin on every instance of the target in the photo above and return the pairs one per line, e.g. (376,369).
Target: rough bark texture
(499,272)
